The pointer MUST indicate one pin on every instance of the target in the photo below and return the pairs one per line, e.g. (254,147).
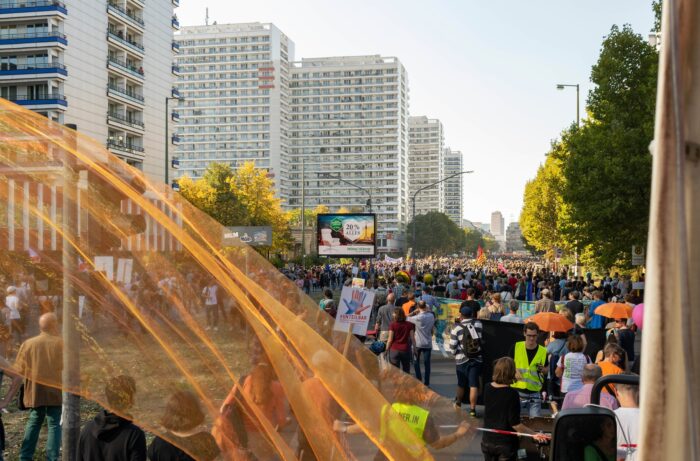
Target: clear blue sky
(488,70)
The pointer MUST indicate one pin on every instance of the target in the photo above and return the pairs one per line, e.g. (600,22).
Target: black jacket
(109,437)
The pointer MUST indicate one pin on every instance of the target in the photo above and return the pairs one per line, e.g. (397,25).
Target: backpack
(471,342)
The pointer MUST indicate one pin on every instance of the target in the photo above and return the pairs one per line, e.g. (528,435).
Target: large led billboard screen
(346,235)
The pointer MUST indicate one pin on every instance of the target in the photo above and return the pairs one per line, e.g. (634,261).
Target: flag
(480,256)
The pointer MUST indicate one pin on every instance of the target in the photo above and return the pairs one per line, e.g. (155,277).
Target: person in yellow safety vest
(530,369)
(408,396)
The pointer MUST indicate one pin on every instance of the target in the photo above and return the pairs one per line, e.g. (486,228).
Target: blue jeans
(531,402)
(425,352)
(31,432)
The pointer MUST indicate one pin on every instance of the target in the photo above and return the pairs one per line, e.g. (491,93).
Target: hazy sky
(488,70)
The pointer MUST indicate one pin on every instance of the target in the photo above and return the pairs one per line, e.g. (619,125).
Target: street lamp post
(415,194)
(561,86)
(338,178)
(167,137)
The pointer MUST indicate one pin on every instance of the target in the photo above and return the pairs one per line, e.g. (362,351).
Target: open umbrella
(614,311)
(551,321)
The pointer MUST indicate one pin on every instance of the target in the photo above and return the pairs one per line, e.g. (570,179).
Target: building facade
(426,144)
(453,191)
(235,80)
(514,238)
(498,225)
(103,66)
(349,120)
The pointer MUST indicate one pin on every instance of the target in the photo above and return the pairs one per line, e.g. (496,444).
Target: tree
(436,234)
(544,219)
(244,197)
(606,164)
(294,216)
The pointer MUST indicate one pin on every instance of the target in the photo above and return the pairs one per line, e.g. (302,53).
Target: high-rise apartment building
(514,237)
(452,198)
(349,120)
(498,225)
(426,144)
(234,79)
(104,66)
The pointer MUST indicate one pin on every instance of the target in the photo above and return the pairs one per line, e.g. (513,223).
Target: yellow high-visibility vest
(530,380)
(414,416)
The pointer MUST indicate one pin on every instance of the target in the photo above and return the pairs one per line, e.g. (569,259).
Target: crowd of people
(404,319)
(557,373)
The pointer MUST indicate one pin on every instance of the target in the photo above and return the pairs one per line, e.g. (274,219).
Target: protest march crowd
(432,304)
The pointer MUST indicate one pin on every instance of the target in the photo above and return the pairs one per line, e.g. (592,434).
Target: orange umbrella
(551,321)
(614,310)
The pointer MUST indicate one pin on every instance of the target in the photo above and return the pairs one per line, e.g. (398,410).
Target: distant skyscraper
(104,66)
(349,118)
(514,238)
(426,141)
(452,192)
(235,85)
(498,225)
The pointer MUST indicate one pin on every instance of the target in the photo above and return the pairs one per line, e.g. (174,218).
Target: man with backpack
(466,345)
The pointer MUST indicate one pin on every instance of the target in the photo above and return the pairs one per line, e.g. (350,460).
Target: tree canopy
(436,234)
(593,191)
(241,197)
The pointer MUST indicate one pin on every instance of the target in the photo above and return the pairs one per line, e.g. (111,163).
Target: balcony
(125,147)
(121,119)
(175,93)
(119,38)
(176,3)
(175,164)
(129,69)
(17,40)
(125,15)
(41,100)
(176,186)
(175,23)
(31,8)
(175,139)
(176,46)
(123,92)
(175,69)
(175,117)
(41,69)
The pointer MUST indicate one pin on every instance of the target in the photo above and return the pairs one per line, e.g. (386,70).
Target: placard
(354,310)
(105,264)
(124,268)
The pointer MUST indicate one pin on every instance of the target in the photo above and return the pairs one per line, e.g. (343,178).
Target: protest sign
(354,310)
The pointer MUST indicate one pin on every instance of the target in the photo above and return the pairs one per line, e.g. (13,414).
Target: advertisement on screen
(346,235)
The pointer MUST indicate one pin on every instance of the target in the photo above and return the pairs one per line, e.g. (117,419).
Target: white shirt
(210,295)
(629,422)
(12,303)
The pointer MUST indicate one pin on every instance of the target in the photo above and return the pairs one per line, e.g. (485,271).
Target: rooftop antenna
(206,17)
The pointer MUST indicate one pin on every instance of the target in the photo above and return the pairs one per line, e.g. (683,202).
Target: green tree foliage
(294,216)
(544,212)
(473,239)
(606,164)
(244,197)
(436,234)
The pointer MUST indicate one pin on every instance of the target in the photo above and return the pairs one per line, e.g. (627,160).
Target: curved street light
(413,217)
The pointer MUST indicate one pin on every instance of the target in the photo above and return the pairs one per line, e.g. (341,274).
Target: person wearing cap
(545,304)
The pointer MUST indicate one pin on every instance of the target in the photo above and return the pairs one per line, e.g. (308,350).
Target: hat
(11,289)
(466,311)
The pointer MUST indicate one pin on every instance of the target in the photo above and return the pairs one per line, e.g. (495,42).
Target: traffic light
(109,220)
